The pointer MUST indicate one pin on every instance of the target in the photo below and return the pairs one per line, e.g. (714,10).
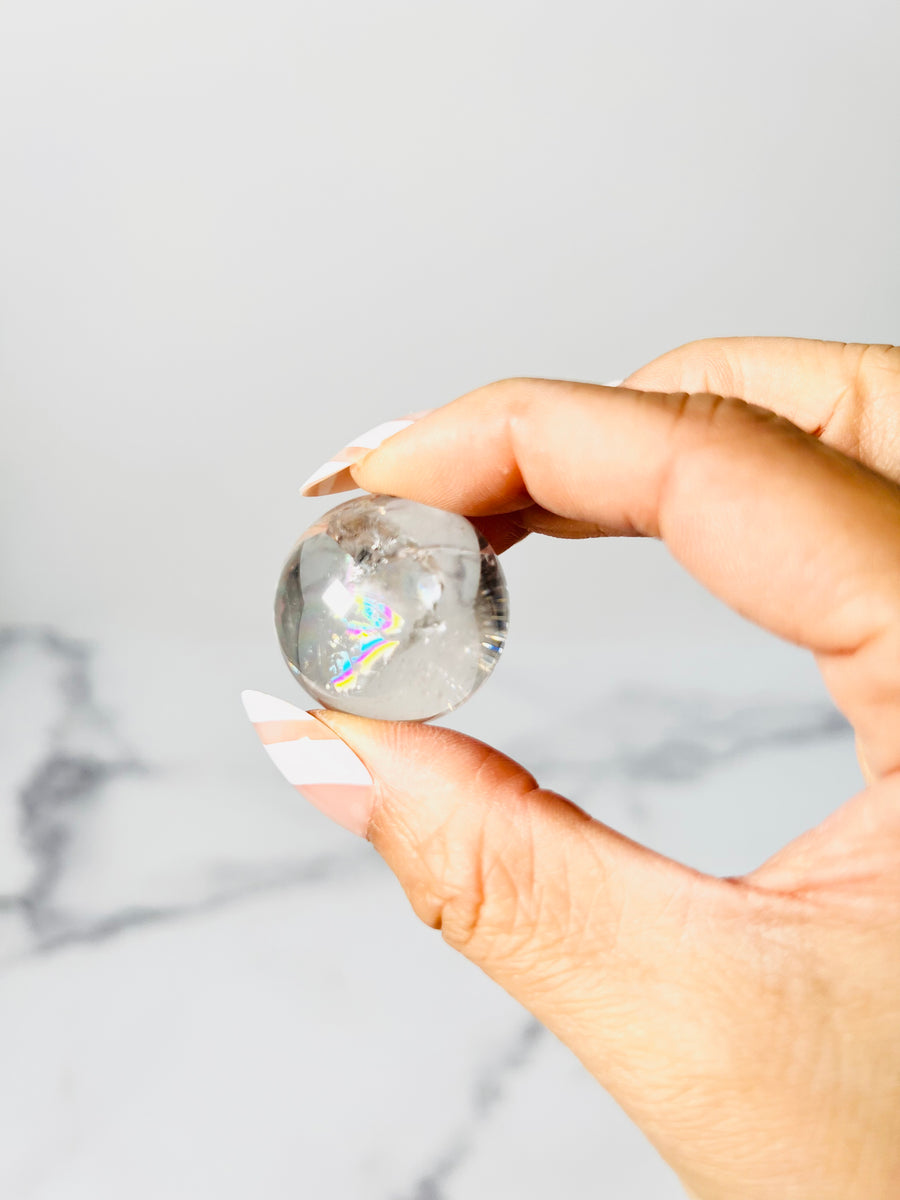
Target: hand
(750,1026)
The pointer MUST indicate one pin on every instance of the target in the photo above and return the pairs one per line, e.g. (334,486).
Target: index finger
(788,531)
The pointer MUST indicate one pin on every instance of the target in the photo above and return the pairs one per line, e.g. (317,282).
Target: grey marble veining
(56,792)
(490,1088)
(136,862)
(672,736)
(50,786)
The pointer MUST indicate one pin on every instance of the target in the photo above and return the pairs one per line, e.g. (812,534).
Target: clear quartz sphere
(387,608)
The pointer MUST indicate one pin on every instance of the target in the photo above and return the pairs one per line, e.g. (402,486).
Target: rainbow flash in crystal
(372,623)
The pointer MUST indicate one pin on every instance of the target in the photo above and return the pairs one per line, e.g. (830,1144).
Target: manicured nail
(312,758)
(334,475)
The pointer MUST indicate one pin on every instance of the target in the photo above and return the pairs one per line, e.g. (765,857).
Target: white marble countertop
(209,992)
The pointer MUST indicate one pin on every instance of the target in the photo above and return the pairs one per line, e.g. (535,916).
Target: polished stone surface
(390,609)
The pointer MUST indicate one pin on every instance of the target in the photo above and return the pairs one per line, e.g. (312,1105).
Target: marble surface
(209,992)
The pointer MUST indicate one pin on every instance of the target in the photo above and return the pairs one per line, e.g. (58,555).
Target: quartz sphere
(391,609)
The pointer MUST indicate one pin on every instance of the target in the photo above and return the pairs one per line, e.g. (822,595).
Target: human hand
(750,1026)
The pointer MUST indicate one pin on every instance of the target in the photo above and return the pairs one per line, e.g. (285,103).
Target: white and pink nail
(313,759)
(334,475)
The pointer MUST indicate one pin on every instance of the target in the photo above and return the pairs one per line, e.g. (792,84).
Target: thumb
(593,933)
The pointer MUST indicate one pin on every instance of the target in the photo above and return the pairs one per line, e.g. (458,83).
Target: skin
(750,1026)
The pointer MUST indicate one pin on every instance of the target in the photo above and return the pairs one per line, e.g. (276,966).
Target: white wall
(234,234)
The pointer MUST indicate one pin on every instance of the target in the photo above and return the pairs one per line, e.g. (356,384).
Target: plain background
(234,235)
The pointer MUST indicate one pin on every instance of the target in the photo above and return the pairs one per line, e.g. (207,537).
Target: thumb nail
(313,759)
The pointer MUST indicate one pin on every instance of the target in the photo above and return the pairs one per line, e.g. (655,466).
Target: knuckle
(707,431)
(695,415)
(875,377)
(477,901)
(871,361)
(704,365)
(866,399)
(714,365)
(480,869)
(513,389)
(702,418)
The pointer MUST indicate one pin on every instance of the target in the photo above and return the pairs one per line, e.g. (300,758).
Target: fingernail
(334,475)
(314,759)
